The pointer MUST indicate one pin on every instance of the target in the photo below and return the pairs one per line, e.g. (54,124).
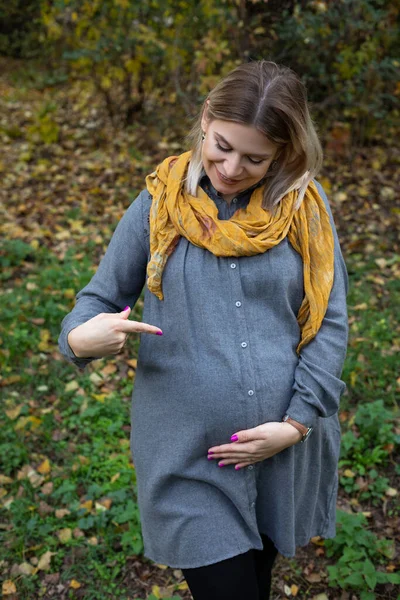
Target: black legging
(243,577)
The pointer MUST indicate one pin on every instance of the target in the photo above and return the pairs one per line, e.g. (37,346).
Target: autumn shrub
(348,55)
(151,56)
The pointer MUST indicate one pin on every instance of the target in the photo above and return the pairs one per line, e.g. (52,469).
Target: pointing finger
(138,327)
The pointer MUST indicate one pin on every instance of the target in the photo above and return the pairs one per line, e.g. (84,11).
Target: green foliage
(358,552)
(348,54)
(367,445)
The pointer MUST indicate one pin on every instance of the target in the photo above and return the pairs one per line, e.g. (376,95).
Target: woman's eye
(223,149)
(255,162)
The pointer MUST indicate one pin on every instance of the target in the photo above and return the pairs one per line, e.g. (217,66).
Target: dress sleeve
(317,386)
(119,279)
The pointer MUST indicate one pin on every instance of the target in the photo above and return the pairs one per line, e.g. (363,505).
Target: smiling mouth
(225,179)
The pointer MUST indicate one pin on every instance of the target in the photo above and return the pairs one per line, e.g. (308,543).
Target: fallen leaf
(44,561)
(13,413)
(72,386)
(4,480)
(64,535)
(8,588)
(25,568)
(287,590)
(44,468)
(349,473)
(62,512)
(392,492)
(75,584)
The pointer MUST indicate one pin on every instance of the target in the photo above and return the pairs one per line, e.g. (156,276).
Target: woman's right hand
(105,334)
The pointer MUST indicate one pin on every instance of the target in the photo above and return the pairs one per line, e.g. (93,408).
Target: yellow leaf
(349,473)
(88,505)
(64,535)
(392,492)
(44,345)
(24,421)
(72,386)
(44,561)
(62,512)
(161,566)
(4,480)
(44,468)
(3,492)
(132,362)
(155,590)
(8,587)
(25,568)
(13,413)
(326,184)
(340,197)
(115,477)
(75,584)
(93,541)
(96,379)
(294,589)
(353,378)
(69,293)
(183,586)
(362,306)
(99,397)
(381,262)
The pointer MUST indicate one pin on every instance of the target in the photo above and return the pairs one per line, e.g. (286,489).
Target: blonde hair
(273,99)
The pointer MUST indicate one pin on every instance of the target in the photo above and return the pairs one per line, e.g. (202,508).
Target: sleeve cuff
(302,411)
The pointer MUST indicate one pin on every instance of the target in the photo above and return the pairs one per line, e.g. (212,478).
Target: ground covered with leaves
(70,526)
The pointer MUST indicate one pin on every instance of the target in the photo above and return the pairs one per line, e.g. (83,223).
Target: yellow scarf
(251,230)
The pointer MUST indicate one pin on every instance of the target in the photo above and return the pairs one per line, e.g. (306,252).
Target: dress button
(251,467)
(238,304)
(244,344)
(233,266)
(250,392)
(252,504)
(234,200)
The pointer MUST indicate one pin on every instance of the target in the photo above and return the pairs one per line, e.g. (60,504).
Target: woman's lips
(225,179)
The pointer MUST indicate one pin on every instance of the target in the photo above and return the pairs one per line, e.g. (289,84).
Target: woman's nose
(232,168)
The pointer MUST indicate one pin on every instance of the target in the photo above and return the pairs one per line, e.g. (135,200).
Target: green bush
(358,553)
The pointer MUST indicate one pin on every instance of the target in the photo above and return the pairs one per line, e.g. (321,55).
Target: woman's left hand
(256,444)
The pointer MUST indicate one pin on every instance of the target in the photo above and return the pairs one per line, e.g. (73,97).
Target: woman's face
(235,156)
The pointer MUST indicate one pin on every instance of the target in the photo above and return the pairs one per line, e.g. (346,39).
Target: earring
(203,136)
(273,165)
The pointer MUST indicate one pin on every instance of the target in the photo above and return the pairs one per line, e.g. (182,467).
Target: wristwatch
(305,431)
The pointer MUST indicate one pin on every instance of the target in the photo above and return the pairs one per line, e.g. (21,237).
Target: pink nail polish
(237,468)
(234,438)
(210,452)
(221,465)
(210,457)
(159,333)
(126,307)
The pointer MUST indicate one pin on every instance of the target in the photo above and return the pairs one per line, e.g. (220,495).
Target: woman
(235,435)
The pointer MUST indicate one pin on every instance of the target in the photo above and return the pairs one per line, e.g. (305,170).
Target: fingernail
(234,438)
(237,468)
(221,465)
(210,458)
(126,307)
(158,332)
(210,452)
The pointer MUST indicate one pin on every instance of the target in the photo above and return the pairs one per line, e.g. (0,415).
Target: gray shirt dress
(226,362)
